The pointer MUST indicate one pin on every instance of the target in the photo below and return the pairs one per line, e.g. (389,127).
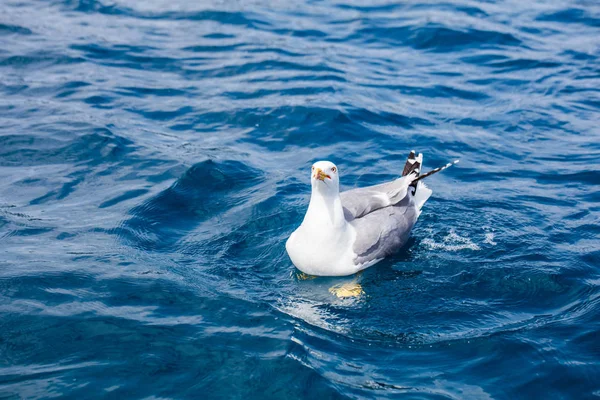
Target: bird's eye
(313,168)
(333,169)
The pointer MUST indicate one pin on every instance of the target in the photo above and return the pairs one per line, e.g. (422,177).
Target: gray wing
(361,201)
(384,231)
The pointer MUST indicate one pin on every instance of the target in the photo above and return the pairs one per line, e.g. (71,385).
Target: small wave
(206,189)
(452,242)
(436,38)
(98,145)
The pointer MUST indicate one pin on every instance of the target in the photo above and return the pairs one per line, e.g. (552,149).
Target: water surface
(155,156)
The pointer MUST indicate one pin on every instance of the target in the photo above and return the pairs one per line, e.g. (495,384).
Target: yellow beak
(320,175)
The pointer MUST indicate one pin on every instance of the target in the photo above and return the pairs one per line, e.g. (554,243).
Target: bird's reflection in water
(301,276)
(344,290)
(350,288)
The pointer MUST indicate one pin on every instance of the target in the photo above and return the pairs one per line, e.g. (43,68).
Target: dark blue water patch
(303,33)
(457,9)
(439,38)
(60,194)
(318,77)
(322,125)
(522,64)
(126,196)
(241,242)
(585,177)
(99,326)
(91,148)
(11,90)
(571,15)
(287,92)
(96,51)
(370,8)
(207,188)
(441,91)
(578,55)
(219,36)
(124,56)
(248,67)
(65,235)
(38,61)
(213,48)
(30,231)
(484,59)
(99,100)
(70,88)
(163,115)
(223,17)
(6,29)
(435,38)
(90,6)
(149,91)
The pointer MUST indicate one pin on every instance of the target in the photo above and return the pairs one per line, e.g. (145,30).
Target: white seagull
(344,233)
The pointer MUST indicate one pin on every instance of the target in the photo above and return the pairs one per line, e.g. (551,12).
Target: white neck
(322,245)
(325,211)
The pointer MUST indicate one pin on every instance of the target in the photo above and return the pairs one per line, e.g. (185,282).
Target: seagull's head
(325,177)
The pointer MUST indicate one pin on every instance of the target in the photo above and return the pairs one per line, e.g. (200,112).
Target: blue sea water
(155,156)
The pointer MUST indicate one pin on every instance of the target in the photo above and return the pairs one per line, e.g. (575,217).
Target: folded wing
(361,201)
(384,231)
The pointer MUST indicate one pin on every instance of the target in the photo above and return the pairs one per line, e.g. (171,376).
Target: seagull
(344,233)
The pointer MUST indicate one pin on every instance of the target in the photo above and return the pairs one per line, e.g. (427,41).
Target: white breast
(323,252)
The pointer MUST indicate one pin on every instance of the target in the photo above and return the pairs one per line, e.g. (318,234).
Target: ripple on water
(205,190)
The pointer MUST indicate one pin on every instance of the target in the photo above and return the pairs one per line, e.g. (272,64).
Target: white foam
(489,239)
(452,242)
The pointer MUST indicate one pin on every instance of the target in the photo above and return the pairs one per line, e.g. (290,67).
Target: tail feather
(434,171)
(421,195)
(413,166)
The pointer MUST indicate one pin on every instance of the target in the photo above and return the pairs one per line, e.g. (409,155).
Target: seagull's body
(344,233)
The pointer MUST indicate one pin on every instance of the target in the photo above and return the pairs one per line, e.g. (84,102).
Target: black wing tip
(411,165)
